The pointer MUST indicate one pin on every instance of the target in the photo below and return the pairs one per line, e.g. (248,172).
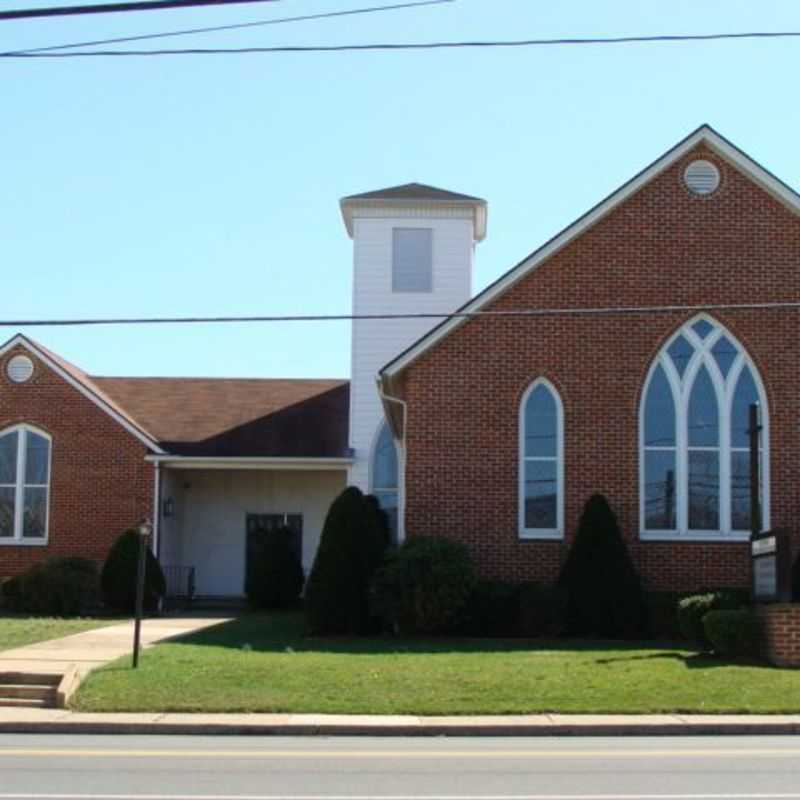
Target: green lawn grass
(18,631)
(264,663)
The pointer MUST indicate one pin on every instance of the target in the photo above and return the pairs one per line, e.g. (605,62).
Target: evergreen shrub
(492,609)
(56,587)
(692,610)
(603,591)
(542,611)
(353,542)
(732,633)
(118,576)
(274,572)
(423,585)
(662,614)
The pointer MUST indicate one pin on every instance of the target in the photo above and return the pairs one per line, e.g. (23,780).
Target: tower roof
(415,191)
(412,194)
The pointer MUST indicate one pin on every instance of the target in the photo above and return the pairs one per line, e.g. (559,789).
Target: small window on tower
(412,260)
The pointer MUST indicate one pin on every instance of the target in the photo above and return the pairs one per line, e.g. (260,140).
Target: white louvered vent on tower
(701,177)
(19,369)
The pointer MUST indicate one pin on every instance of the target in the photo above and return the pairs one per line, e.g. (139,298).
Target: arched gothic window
(384,475)
(541,463)
(24,485)
(694,458)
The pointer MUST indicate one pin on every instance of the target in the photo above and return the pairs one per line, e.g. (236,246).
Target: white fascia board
(21,341)
(769,182)
(349,209)
(235,463)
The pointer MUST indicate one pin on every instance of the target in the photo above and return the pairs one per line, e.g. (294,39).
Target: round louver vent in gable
(19,369)
(701,177)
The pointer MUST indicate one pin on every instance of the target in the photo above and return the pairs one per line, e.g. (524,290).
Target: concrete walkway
(20,720)
(94,648)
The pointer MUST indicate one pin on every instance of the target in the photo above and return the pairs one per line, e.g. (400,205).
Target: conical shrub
(118,577)
(603,592)
(351,548)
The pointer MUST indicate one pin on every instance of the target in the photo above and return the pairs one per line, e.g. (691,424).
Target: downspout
(387,398)
(157,512)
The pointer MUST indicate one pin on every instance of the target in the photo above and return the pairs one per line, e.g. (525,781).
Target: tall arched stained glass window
(695,479)
(384,476)
(541,493)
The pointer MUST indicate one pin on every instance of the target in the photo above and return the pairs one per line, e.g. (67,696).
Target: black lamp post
(144,529)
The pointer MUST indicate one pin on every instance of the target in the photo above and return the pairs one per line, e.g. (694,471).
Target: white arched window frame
(552,460)
(384,476)
(703,334)
(25,461)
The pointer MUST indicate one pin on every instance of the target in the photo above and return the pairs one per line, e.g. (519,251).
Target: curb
(419,727)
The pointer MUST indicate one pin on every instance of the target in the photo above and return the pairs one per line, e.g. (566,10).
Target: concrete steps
(28,690)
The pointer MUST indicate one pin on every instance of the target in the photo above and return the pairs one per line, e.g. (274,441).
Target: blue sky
(210,185)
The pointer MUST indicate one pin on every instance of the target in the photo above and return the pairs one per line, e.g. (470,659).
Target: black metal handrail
(180,582)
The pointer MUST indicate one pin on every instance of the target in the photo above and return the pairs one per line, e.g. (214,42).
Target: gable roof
(415,194)
(229,417)
(704,134)
(79,380)
(216,417)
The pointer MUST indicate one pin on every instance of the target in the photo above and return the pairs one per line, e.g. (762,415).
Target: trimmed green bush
(492,609)
(662,614)
(423,585)
(56,587)
(10,589)
(604,594)
(354,539)
(692,610)
(542,610)
(732,633)
(274,572)
(118,577)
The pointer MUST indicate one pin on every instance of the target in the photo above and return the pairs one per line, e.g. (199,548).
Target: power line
(444,315)
(216,28)
(109,8)
(398,46)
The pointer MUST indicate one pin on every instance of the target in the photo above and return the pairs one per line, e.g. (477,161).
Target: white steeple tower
(413,251)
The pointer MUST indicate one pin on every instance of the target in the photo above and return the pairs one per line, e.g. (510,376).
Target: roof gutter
(255,462)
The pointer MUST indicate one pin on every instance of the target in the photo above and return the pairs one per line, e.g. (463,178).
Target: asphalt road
(35,767)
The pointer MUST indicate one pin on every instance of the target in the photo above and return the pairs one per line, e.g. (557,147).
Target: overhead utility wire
(519,312)
(215,28)
(109,8)
(389,46)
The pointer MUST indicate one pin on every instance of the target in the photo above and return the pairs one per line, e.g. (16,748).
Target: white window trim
(724,389)
(541,533)
(17,540)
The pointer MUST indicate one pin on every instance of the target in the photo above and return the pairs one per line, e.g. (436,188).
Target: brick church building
(620,357)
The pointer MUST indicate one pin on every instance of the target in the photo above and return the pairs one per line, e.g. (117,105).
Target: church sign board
(770,553)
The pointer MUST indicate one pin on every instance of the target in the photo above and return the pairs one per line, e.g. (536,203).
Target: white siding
(211,513)
(376,342)
(169,552)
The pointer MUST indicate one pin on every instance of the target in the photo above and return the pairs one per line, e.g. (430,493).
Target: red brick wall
(663,246)
(100,483)
(780,627)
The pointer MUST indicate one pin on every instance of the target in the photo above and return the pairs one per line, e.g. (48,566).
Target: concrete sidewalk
(94,648)
(19,720)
